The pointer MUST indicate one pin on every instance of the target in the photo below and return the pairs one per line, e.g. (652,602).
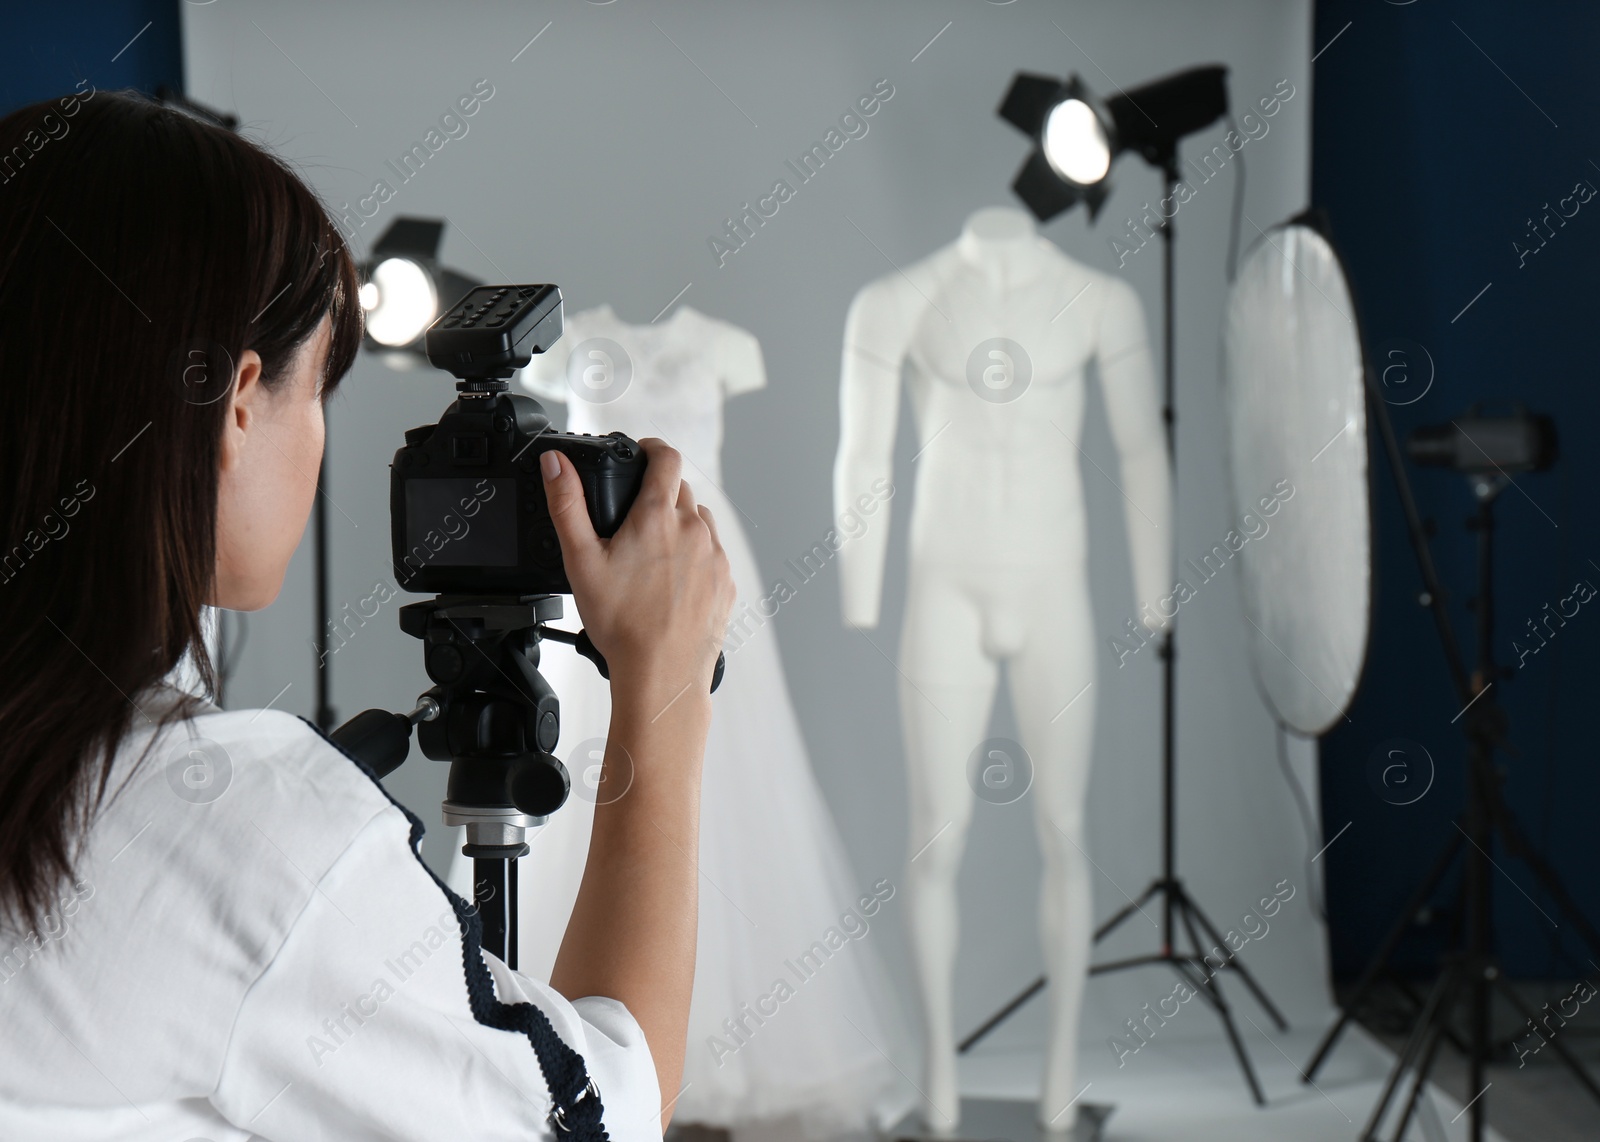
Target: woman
(215,923)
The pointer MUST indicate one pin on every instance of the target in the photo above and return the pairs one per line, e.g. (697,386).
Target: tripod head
(498,720)
(495,719)
(490,713)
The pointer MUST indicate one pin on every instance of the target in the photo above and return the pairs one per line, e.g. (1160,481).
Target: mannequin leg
(946,693)
(1055,715)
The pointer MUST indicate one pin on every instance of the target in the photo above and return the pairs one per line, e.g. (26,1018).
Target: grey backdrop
(613,146)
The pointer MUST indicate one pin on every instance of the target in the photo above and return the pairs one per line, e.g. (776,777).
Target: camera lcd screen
(473,522)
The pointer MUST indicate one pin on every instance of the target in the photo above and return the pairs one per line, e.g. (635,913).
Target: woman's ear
(244,400)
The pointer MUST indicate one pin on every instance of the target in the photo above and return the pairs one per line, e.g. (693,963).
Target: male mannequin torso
(998,327)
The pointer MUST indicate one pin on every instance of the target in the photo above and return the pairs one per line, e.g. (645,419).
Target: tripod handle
(381,740)
(377,738)
(584,645)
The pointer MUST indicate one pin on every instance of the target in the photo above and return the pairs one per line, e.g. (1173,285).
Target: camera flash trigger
(495,330)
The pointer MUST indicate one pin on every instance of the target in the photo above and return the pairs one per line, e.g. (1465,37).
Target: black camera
(466,500)
(469,523)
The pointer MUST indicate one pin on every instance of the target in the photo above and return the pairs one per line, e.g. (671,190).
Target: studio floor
(1189,1088)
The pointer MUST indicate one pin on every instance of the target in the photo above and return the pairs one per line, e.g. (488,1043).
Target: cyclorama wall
(615,143)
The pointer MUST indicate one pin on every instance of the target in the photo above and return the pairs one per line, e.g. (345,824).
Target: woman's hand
(655,597)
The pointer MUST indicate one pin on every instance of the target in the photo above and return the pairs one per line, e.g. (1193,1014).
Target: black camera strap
(575,1106)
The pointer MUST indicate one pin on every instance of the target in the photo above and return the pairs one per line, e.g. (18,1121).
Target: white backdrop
(613,147)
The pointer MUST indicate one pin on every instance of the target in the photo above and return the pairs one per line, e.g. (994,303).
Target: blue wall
(1431,157)
(48,48)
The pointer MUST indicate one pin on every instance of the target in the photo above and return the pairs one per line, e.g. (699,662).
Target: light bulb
(1075,142)
(403,300)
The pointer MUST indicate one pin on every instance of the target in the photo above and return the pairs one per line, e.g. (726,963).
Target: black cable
(1307,820)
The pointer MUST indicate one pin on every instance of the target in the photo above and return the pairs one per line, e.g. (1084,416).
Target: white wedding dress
(792,1012)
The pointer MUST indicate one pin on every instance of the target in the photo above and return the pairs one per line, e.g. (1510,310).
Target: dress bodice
(667,379)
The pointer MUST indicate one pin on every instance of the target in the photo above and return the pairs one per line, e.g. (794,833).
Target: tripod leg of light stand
(1123,913)
(1190,907)
(1523,849)
(1479,906)
(1419,1081)
(1566,1056)
(1416,999)
(1478,996)
(1002,1015)
(1215,988)
(1440,1002)
(1038,985)
(1194,976)
(1380,961)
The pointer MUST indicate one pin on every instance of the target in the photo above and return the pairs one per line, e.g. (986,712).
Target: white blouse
(253,949)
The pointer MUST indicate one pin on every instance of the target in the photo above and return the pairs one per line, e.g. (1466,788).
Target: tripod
(1191,966)
(495,719)
(491,715)
(1471,975)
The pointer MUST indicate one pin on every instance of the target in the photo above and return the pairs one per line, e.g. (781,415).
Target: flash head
(1476,444)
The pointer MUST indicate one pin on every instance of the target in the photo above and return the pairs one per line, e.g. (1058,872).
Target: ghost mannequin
(999,327)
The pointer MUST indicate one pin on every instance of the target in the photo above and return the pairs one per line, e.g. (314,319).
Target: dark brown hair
(141,252)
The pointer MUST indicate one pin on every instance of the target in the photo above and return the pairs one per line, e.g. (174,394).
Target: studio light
(1076,143)
(1480,445)
(403,288)
(1300,396)
(400,301)
(1077,136)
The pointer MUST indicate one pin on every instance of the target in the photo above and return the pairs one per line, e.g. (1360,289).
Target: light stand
(1184,103)
(1169,886)
(407,240)
(1472,974)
